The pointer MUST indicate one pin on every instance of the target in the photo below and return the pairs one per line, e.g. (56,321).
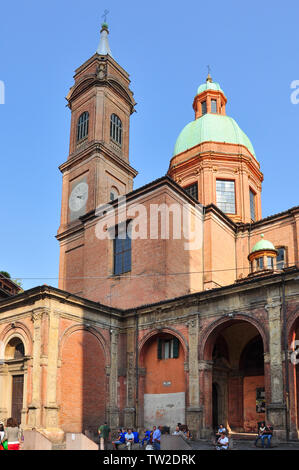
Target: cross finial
(105,15)
(209,78)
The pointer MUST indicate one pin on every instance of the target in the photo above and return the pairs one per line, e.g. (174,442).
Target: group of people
(151,439)
(127,437)
(182,430)
(264,432)
(10,435)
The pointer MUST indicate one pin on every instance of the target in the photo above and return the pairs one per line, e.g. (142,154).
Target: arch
(14,349)
(212,330)
(167,330)
(114,193)
(74,328)
(82,380)
(82,126)
(291,324)
(18,330)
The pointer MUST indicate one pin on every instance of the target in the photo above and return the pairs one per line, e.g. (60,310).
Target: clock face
(78,197)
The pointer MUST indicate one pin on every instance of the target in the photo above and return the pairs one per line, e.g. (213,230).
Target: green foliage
(5,274)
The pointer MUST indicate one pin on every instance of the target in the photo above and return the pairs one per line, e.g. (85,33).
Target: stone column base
(129,417)
(113,417)
(33,416)
(206,433)
(194,420)
(51,416)
(275,414)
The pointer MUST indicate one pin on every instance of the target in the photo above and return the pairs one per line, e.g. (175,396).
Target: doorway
(215,405)
(17,397)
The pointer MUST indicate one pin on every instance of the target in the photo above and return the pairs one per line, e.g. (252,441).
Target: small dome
(209,86)
(211,127)
(263,245)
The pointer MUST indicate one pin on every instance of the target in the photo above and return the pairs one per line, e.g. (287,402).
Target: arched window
(82,126)
(116,129)
(113,193)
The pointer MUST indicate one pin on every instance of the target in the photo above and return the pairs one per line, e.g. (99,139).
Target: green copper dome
(209,86)
(211,127)
(263,245)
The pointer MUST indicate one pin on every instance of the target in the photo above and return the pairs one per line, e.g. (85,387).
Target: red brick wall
(83,383)
(251,417)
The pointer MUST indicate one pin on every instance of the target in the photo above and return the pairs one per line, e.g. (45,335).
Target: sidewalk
(244,445)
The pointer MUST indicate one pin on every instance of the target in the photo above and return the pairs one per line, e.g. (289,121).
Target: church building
(177,301)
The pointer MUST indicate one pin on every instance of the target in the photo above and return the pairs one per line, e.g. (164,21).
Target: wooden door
(17,396)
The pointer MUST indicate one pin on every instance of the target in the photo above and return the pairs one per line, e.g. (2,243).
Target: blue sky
(252,48)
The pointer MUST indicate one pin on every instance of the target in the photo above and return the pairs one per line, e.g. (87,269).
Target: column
(129,411)
(113,410)
(275,410)
(51,408)
(4,388)
(34,408)
(205,380)
(194,411)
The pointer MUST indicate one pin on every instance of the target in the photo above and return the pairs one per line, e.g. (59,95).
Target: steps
(61,446)
(243,436)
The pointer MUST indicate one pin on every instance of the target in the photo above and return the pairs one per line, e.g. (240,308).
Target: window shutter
(159,348)
(176,345)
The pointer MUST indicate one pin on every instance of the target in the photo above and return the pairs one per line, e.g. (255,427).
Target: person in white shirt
(129,437)
(222,443)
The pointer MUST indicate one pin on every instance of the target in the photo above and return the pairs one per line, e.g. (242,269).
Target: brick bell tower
(97,169)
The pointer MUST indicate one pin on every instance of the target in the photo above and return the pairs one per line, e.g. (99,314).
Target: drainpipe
(286,358)
(136,369)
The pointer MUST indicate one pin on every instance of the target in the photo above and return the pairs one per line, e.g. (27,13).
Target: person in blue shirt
(157,438)
(121,438)
(147,436)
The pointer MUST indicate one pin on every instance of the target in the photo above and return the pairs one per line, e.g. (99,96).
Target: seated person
(129,438)
(120,440)
(222,442)
(268,433)
(146,439)
(221,429)
(136,437)
(178,432)
(262,429)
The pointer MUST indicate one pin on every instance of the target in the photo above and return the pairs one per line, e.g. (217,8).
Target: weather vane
(209,69)
(105,15)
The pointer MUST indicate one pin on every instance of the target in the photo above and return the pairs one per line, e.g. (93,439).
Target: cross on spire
(105,15)
(209,78)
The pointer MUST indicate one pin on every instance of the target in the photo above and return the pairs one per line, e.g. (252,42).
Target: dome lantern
(262,256)
(210,98)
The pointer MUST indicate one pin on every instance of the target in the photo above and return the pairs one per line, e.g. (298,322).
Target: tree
(5,274)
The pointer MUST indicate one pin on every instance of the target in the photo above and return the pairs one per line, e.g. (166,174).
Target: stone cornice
(95,147)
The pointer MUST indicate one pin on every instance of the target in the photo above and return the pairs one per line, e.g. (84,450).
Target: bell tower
(97,169)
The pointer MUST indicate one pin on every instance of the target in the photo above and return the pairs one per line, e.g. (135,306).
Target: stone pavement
(245,445)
